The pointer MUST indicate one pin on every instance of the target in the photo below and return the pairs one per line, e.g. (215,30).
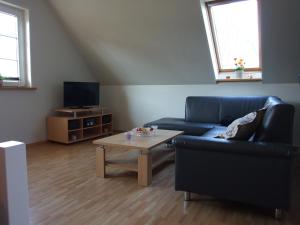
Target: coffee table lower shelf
(146,153)
(141,163)
(158,158)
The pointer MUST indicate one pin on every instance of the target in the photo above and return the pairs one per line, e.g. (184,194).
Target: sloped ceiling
(164,41)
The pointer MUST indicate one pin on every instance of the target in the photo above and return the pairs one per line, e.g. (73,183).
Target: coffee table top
(119,140)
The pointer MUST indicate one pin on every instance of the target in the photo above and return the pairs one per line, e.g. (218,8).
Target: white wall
(54,59)
(135,105)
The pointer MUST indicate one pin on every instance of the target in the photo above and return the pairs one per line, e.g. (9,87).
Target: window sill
(247,77)
(15,88)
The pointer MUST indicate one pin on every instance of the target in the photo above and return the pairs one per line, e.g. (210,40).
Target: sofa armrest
(199,143)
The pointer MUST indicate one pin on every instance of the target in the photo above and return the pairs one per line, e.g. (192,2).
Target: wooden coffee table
(146,159)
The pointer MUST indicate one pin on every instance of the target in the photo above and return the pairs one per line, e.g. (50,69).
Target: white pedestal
(13,184)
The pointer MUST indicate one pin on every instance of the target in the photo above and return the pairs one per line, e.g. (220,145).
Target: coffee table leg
(100,162)
(144,169)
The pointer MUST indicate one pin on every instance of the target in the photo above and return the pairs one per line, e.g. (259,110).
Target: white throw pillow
(244,127)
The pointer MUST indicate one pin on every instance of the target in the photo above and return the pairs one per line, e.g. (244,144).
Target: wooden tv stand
(74,125)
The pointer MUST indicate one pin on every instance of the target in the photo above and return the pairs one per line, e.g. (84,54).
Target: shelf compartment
(74,124)
(106,119)
(107,129)
(85,128)
(91,122)
(94,131)
(74,135)
(67,130)
(74,130)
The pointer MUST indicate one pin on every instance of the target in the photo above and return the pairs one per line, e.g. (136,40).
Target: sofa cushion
(232,108)
(243,128)
(221,110)
(214,132)
(189,128)
(202,109)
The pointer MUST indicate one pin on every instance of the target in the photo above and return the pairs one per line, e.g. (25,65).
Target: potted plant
(239,67)
(1,80)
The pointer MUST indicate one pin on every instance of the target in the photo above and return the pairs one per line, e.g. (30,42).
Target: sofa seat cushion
(214,132)
(189,128)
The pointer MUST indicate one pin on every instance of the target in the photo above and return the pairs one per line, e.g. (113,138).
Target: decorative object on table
(143,131)
(1,80)
(129,135)
(239,67)
(154,127)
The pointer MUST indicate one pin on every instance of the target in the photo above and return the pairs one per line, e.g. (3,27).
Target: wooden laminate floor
(65,191)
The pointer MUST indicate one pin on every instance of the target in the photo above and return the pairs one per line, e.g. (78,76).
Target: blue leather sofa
(257,171)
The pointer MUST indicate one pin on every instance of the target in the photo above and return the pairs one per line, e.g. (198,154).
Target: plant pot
(239,74)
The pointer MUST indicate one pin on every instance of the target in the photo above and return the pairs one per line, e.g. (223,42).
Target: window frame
(24,65)
(211,3)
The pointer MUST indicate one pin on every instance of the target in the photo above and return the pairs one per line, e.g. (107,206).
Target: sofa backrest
(220,110)
(232,108)
(202,109)
(277,125)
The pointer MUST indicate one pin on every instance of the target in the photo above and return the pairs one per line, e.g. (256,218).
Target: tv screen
(81,94)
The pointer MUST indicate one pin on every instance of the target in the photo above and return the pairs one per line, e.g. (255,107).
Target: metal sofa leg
(278,214)
(187,196)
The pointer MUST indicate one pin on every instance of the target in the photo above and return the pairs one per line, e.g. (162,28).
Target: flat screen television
(81,94)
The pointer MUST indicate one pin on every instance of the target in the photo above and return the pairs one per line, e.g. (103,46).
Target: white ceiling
(140,41)
(164,41)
